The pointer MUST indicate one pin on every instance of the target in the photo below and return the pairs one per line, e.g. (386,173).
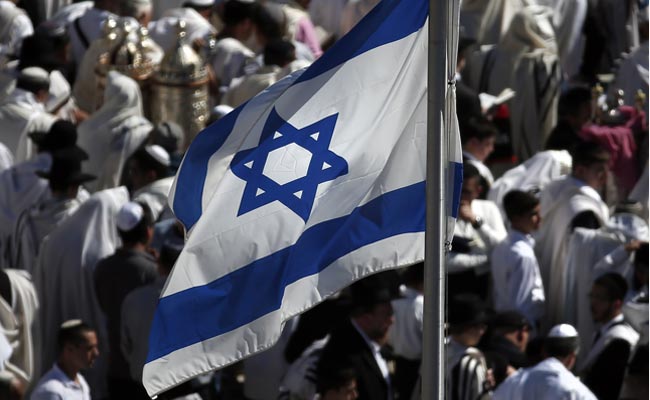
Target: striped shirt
(467,372)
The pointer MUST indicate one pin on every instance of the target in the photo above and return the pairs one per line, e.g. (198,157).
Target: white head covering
(159,154)
(114,132)
(129,216)
(562,331)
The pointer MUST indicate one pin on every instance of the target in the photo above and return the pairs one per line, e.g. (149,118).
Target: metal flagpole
(433,357)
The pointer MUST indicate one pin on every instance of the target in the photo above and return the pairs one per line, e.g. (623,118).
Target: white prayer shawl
(548,380)
(59,101)
(632,74)
(526,61)
(163,31)
(353,12)
(228,61)
(298,381)
(327,14)
(244,88)
(640,192)
(67,14)
(621,331)
(21,114)
(52,7)
(86,84)
(160,7)
(21,188)
(534,174)
(33,225)
(15,25)
(6,158)
(568,21)
(64,275)
(114,132)
(86,29)
(18,322)
(496,18)
(586,248)
(561,201)
(155,195)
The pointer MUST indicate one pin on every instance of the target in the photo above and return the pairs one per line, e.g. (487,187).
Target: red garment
(621,143)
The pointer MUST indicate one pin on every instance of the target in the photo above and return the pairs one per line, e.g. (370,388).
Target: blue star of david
(297,194)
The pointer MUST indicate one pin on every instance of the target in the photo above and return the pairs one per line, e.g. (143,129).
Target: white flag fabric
(311,185)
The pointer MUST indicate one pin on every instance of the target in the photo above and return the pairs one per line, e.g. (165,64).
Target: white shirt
(56,385)
(405,335)
(516,277)
(548,380)
(484,239)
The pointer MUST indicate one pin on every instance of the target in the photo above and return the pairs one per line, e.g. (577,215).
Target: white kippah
(129,216)
(563,331)
(159,154)
(71,323)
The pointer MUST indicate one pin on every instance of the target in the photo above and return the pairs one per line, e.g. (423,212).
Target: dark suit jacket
(346,347)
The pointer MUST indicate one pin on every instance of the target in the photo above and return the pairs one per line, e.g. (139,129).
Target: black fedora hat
(62,135)
(66,168)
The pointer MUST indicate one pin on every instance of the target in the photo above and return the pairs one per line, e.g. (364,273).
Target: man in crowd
(358,341)
(115,277)
(551,378)
(566,203)
(604,367)
(574,111)
(510,331)
(405,335)
(478,230)
(467,372)
(77,350)
(515,271)
(149,179)
(477,136)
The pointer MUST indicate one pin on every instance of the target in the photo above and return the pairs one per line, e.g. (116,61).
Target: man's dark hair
(279,52)
(333,377)
(235,12)
(139,233)
(478,128)
(169,253)
(614,284)
(589,153)
(470,171)
(560,347)
(270,21)
(147,163)
(519,203)
(571,100)
(72,332)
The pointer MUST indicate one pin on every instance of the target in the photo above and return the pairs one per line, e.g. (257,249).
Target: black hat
(466,310)
(66,168)
(62,135)
(375,289)
(510,320)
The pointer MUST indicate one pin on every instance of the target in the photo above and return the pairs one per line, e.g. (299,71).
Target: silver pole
(433,357)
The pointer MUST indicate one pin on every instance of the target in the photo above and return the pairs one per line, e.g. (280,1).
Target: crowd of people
(547,272)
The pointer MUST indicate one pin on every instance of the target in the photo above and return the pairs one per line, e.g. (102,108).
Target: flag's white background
(380,98)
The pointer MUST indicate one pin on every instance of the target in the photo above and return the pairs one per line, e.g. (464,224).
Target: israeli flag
(313,184)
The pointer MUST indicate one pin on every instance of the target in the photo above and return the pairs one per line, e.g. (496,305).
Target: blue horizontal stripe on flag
(389,21)
(207,311)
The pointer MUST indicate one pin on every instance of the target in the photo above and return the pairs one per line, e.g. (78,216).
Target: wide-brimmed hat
(62,135)
(375,289)
(66,167)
